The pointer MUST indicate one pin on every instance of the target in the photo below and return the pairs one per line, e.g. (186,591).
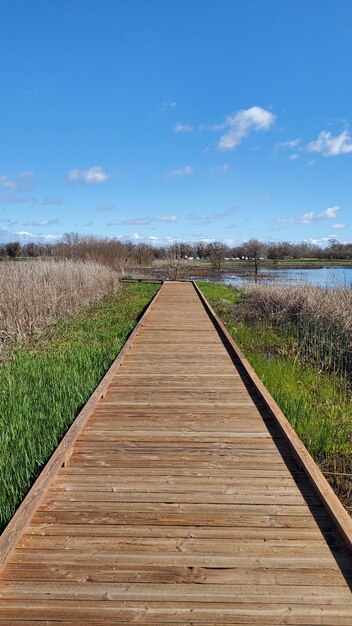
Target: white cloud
(153,238)
(293,143)
(136,236)
(24,233)
(138,221)
(337,226)
(320,240)
(286,220)
(16,183)
(182,128)
(26,174)
(182,171)
(294,157)
(242,123)
(205,239)
(311,216)
(328,146)
(9,198)
(95,174)
(42,222)
(49,236)
(25,236)
(168,104)
(143,221)
(167,218)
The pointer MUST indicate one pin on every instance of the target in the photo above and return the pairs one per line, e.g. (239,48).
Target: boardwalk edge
(14,529)
(302,457)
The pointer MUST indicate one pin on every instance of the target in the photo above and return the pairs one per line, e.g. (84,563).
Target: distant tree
(71,238)
(254,250)
(201,250)
(186,250)
(238,251)
(335,249)
(217,252)
(143,254)
(31,249)
(279,251)
(13,249)
(305,250)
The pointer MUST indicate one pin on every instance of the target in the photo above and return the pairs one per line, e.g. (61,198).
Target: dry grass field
(34,294)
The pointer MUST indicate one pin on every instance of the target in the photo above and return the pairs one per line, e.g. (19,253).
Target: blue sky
(170,119)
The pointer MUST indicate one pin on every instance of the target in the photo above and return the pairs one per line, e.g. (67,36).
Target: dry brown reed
(332,307)
(321,320)
(34,294)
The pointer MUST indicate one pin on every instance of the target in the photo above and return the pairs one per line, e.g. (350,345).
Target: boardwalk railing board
(62,453)
(303,458)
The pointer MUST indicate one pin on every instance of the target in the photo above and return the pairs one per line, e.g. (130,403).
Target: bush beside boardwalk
(299,343)
(47,381)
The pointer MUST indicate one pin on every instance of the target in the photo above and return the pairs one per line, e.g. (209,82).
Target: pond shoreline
(322,274)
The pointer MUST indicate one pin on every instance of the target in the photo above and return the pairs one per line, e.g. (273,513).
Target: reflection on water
(320,277)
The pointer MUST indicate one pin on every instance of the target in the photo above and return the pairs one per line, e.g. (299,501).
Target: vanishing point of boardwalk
(181,502)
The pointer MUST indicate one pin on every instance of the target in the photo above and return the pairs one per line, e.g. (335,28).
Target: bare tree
(254,249)
(217,252)
(280,250)
(174,265)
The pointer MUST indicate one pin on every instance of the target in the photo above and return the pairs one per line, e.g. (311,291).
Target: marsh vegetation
(32,295)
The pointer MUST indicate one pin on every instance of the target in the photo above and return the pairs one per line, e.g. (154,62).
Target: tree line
(120,254)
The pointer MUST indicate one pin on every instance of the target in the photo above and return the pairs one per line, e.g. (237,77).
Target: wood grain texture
(180,502)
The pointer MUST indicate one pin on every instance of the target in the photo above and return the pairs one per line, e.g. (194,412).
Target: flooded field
(331,277)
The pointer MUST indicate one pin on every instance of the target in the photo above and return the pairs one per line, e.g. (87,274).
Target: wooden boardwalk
(181,502)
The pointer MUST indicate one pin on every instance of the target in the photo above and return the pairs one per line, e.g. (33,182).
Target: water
(330,277)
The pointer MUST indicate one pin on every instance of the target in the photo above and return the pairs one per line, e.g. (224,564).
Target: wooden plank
(299,576)
(178,612)
(183,515)
(276,533)
(141,592)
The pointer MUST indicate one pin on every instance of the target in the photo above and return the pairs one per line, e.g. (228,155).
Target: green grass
(47,381)
(315,402)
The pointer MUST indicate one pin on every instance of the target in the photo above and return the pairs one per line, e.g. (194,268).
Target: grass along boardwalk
(180,500)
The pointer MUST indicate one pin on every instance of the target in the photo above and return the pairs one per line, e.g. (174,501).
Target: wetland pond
(330,277)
